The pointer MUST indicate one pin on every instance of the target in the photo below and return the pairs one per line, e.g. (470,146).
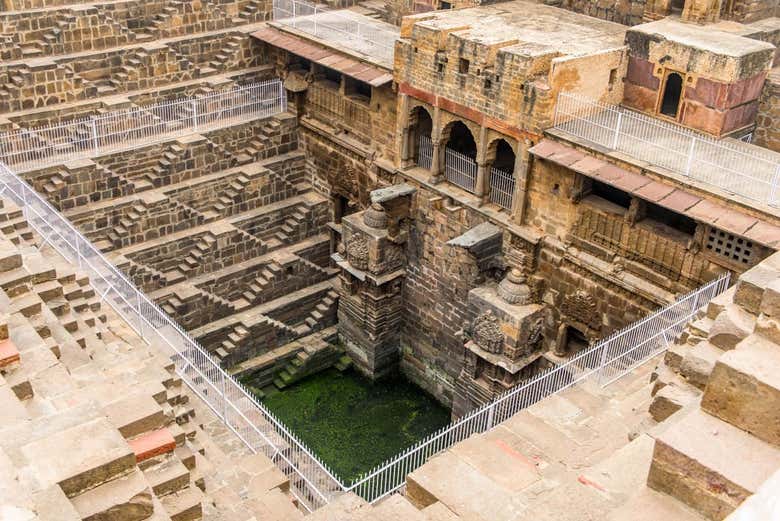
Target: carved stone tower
(504,344)
(372,259)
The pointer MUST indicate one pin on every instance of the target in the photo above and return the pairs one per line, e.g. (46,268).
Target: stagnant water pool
(354,424)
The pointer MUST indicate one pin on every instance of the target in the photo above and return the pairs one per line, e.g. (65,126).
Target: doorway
(670,103)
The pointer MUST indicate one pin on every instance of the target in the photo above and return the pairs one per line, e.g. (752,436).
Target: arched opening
(460,156)
(462,141)
(670,103)
(574,341)
(502,174)
(421,126)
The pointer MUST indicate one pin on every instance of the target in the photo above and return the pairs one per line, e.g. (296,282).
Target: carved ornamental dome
(513,288)
(375,217)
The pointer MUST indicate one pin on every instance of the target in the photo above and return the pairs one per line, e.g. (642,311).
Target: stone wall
(767,133)
(84,76)
(623,12)
(719,92)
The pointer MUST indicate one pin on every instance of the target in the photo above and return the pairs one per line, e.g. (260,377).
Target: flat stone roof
(725,39)
(537,28)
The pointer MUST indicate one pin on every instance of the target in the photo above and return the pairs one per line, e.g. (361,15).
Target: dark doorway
(421,126)
(672,91)
(505,157)
(461,140)
(575,341)
(341,208)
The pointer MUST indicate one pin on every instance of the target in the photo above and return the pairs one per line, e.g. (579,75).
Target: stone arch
(446,122)
(671,96)
(422,119)
(501,154)
(459,137)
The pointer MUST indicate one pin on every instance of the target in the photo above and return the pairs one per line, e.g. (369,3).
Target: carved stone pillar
(480,186)
(372,264)
(504,344)
(437,163)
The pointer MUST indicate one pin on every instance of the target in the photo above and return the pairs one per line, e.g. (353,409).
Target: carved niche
(581,307)
(534,336)
(357,252)
(486,332)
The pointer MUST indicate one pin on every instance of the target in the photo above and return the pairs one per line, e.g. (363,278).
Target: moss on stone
(354,424)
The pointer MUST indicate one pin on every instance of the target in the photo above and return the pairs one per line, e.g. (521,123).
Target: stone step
(670,399)
(649,505)
(87,455)
(168,476)
(438,512)
(127,498)
(394,508)
(698,363)
(152,444)
(136,414)
(744,388)
(732,325)
(344,507)
(184,505)
(710,465)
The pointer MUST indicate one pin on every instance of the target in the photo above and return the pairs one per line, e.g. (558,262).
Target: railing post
(78,251)
(773,188)
(690,157)
(194,115)
(617,130)
(602,361)
(138,311)
(95,141)
(490,418)
(224,400)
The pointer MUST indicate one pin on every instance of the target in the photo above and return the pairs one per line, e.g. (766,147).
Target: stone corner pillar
(372,258)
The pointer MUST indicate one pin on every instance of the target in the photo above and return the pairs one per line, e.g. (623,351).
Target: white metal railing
(607,360)
(502,187)
(39,147)
(342,26)
(424,152)
(310,479)
(460,169)
(739,168)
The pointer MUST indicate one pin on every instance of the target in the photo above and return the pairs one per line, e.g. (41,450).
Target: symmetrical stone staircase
(96,424)
(720,391)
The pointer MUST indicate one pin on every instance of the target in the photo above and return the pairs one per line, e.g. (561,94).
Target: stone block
(127,498)
(669,400)
(152,444)
(51,503)
(761,505)
(698,362)
(730,327)
(185,505)
(135,414)
(80,457)
(750,287)
(744,388)
(9,354)
(396,507)
(710,465)
(770,302)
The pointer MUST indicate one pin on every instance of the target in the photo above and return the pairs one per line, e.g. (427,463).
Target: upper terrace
(348,31)
(727,168)
(504,63)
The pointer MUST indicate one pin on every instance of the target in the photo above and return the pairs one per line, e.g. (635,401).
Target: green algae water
(354,424)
